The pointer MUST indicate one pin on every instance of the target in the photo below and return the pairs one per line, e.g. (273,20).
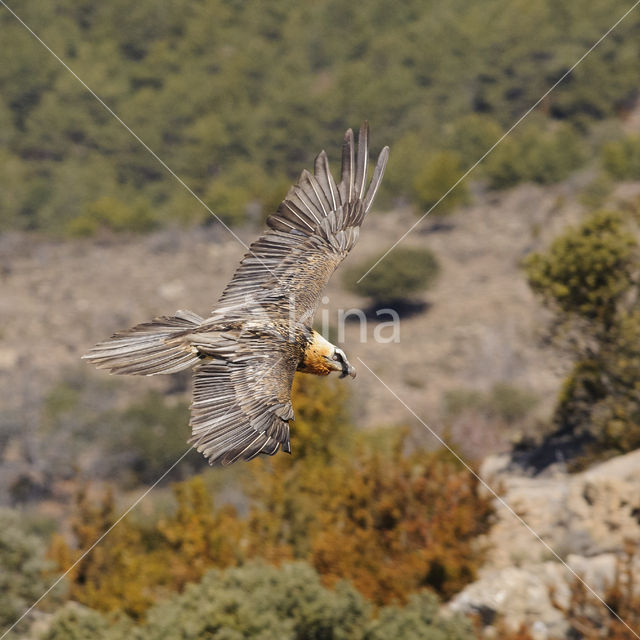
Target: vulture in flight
(245,354)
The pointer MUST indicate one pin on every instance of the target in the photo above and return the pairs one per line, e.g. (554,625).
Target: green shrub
(418,620)
(581,391)
(504,402)
(244,193)
(595,193)
(260,602)
(436,176)
(589,278)
(534,155)
(510,403)
(229,202)
(599,400)
(621,158)
(406,159)
(587,269)
(472,136)
(459,401)
(76,622)
(402,273)
(113,215)
(22,567)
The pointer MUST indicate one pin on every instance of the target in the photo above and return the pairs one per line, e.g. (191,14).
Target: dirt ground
(479,325)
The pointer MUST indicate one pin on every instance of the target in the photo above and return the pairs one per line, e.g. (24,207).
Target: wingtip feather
(378,173)
(363,160)
(347,172)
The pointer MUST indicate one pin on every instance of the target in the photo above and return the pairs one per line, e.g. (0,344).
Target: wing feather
(363,160)
(325,179)
(312,191)
(378,172)
(312,231)
(241,402)
(346,180)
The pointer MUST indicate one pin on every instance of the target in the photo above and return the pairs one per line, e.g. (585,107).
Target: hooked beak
(348,370)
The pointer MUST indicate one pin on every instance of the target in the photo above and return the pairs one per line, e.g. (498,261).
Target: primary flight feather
(246,353)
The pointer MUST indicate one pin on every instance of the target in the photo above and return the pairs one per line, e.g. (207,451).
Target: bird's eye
(338,356)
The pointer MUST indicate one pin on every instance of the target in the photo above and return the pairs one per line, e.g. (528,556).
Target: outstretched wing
(242,398)
(313,230)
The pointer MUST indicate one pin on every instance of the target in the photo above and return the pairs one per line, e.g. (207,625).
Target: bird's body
(246,353)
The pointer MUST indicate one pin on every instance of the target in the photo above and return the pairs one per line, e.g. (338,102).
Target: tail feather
(153,347)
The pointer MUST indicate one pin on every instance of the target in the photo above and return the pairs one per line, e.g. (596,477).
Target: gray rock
(549,533)
(588,513)
(519,596)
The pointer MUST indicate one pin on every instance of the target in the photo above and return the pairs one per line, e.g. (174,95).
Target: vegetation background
(525,345)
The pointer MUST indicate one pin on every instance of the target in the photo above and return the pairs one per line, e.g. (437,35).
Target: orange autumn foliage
(117,573)
(357,506)
(288,492)
(198,537)
(389,521)
(401,523)
(134,565)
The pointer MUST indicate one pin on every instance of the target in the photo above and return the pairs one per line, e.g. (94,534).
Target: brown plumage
(246,353)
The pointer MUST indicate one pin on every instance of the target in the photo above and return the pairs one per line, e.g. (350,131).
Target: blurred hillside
(518,340)
(478,326)
(236,97)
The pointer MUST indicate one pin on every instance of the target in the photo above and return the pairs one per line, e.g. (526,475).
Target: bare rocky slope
(577,528)
(480,324)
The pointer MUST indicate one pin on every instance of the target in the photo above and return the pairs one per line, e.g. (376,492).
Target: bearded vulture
(245,354)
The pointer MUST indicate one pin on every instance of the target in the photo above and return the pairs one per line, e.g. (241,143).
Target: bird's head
(321,358)
(340,363)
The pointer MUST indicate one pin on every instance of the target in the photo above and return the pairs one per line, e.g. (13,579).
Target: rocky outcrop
(549,533)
